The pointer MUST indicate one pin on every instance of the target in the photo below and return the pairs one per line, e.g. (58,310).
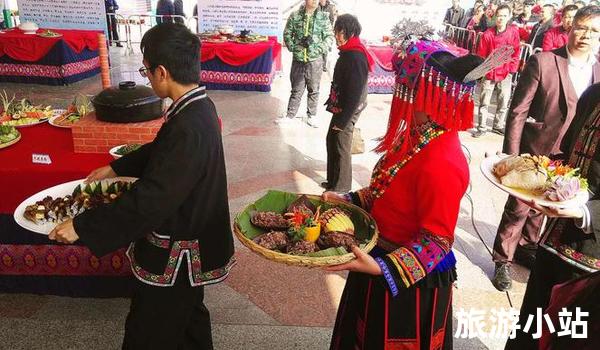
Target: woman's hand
(329,196)
(105,172)
(554,212)
(363,263)
(64,232)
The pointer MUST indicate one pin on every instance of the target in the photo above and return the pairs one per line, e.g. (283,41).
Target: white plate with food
(24,122)
(8,136)
(40,214)
(62,119)
(121,150)
(528,182)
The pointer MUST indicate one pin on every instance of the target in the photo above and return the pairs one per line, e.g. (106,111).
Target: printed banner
(64,14)
(260,16)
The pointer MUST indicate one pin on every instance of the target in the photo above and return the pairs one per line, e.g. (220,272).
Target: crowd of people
(177,217)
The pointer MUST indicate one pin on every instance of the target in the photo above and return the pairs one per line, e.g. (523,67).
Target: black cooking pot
(127,103)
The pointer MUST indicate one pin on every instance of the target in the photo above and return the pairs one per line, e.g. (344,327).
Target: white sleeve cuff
(585,223)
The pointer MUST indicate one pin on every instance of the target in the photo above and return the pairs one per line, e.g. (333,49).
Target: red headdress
(424,84)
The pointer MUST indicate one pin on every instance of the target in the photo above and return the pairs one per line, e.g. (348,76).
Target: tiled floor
(264,305)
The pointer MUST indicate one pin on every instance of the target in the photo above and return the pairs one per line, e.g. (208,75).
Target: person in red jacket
(500,78)
(559,35)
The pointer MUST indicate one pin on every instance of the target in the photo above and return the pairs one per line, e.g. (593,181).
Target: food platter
(10,143)
(54,120)
(55,191)
(38,121)
(245,228)
(487,166)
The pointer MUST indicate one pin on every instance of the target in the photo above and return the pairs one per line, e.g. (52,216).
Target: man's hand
(554,212)
(64,232)
(106,172)
(336,128)
(363,263)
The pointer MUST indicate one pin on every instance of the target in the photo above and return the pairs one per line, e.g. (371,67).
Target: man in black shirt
(175,219)
(536,38)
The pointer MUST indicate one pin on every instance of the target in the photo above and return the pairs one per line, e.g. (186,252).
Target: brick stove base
(91,135)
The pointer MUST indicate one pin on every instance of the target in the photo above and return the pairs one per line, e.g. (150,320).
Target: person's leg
(507,239)
(298,86)
(313,80)
(198,334)
(487,90)
(159,317)
(109,29)
(115,30)
(504,93)
(333,157)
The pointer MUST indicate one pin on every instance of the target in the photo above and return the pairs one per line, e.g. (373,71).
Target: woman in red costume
(400,295)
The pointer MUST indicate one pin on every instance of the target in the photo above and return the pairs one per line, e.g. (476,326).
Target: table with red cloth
(30,262)
(30,58)
(235,66)
(382,78)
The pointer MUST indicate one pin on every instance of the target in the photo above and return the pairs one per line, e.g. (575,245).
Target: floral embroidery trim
(365,197)
(388,276)
(189,250)
(382,179)
(420,257)
(158,242)
(552,243)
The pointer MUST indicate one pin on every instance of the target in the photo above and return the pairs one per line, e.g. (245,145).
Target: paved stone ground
(264,305)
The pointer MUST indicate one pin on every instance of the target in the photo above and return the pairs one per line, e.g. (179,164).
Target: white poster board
(261,16)
(64,14)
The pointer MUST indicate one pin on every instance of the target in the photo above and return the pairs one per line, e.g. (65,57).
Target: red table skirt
(31,48)
(236,54)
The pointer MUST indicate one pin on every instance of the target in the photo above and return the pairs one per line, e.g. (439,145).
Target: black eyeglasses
(144,71)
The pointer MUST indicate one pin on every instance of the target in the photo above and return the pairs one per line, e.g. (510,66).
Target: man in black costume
(176,214)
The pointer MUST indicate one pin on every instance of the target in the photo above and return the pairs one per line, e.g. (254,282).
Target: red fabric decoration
(420,99)
(436,99)
(429,93)
(30,48)
(442,113)
(394,120)
(236,54)
(354,44)
(467,122)
(451,109)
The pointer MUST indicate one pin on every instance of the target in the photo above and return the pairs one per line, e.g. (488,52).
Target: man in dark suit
(454,14)
(541,111)
(536,38)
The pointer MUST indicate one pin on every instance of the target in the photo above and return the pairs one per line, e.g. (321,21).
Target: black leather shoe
(502,280)
(325,185)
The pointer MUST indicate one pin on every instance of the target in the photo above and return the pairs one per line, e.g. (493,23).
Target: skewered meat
(337,239)
(269,220)
(302,247)
(274,240)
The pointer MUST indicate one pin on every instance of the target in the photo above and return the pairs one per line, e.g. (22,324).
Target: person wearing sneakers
(500,79)
(541,111)
(308,35)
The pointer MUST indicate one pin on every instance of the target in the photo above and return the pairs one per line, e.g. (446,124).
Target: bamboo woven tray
(358,213)
(10,143)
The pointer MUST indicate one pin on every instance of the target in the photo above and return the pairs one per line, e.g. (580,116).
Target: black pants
(168,317)
(339,156)
(113,33)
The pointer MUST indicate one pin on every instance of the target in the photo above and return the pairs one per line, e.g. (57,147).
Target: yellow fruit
(311,234)
(335,219)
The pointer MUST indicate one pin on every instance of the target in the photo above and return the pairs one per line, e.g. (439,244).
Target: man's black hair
(175,47)
(348,24)
(586,12)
